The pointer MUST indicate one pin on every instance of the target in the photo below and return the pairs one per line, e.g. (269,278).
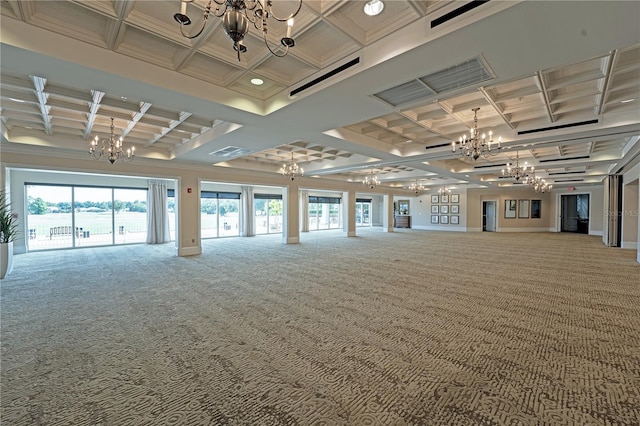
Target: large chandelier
(517,171)
(475,145)
(416,187)
(371,181)
(236,16)
(112,148)
(291,170)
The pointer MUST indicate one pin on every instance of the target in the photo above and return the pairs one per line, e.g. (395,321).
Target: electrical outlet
(193,240)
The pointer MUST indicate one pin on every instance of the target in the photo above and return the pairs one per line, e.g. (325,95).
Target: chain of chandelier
(111,148)
(237,16)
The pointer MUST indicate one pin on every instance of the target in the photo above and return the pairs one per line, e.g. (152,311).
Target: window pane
(171,202)
(275,216)
(208,217)
(130,212)
(228,220)
(93,216)
(49,217)
(261,218)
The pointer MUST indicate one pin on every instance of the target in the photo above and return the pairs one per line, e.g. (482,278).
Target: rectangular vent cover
(490,165)
(466,74)
(325,76)
(569,180)
(440,145)
(457,12)
(565,173)
(560,126)
(230,152)
(582,157)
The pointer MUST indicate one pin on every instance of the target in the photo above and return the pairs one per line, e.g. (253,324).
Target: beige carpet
(407,328)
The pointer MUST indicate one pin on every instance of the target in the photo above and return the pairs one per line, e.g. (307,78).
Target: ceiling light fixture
(257,81)
(236,16)
(444,190)
(416,187)
(291,170)
(371,181)
(373,7)
(517,171)
(537,183)
(112,148)
(475,145)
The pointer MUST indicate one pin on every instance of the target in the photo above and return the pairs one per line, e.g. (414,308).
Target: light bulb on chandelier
(236,16)
(475,145)
(111,148)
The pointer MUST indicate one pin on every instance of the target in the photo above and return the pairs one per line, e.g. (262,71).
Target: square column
(290,214)
(349,213)
(387,213)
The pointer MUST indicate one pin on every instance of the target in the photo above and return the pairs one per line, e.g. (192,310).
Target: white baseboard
(630,245)
(524,230)
(598,233)
(189,251)
(350,234)
(291,240)
(440,228)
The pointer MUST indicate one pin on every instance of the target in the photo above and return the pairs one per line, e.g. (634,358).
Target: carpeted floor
(403,328)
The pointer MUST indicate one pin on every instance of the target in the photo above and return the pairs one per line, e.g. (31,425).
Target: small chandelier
(539,185)
(416,188)
(236,16)
(444,190)
(112,148)
(371,181)
(475,145)
(291,170)
(517,171)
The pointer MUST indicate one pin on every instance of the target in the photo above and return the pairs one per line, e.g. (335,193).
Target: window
(324,213)
(363,212)
(267,213)
(82,216)
(219,214)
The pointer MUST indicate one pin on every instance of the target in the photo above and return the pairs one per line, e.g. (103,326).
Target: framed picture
(536,209)
(444,219)
(444,198)
(434,199)
(403,206)
(434,218)
(455,209)
(455,198)
(434,209)
(523,209)
(455,219)
(510,209)
(444,209)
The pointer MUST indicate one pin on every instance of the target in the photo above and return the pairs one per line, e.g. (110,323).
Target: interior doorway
(574,213)
(489,216)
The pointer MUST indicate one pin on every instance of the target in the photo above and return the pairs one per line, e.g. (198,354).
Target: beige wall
(630,215)
(475,197)
(597,208)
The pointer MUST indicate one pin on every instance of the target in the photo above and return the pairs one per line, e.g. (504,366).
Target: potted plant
(8,233)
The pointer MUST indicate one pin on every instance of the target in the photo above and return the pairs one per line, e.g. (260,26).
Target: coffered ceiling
(559,82)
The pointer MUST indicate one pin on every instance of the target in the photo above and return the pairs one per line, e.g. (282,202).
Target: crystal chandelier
(517,171)
(416,187)
(112,148)
(371,181)
(475,145)
(291,170)
(236,16)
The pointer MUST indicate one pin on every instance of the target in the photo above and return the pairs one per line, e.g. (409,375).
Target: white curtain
(246,218)
(157,213)
(304,211)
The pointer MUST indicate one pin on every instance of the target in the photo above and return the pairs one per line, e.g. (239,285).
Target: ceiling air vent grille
(569,180)
(560,126)
(486,166)
(457,12)
(466,74)
(230,152)
(440,145)
(582,157)
(325,76)
(565,173)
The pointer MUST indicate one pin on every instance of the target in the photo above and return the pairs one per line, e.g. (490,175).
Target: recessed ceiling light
(373,7)
(626,101)
(257,81)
